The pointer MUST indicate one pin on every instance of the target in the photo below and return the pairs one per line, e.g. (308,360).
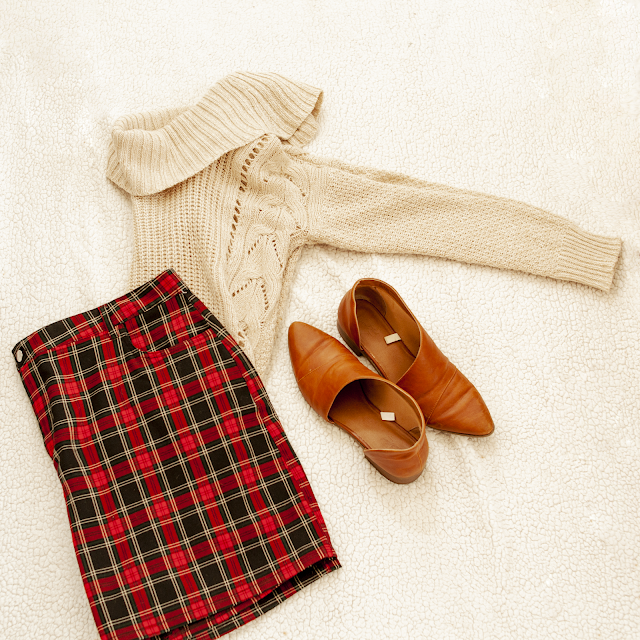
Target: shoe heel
(350,343)
(393,478)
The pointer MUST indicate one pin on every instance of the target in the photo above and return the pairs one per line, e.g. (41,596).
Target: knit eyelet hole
(252,156)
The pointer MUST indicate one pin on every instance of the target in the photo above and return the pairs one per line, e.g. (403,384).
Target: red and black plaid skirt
(190,512)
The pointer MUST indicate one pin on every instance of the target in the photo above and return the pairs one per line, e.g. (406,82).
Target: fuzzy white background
(531,533)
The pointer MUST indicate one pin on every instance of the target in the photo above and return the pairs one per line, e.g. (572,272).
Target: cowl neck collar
(152,151)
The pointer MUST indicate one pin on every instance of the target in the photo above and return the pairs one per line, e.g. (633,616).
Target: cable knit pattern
(223,193)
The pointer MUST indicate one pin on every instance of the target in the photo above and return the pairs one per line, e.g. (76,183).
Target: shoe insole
(392,360)
(357,410)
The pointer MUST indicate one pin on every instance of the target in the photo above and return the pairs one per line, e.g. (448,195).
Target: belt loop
(107,311)
(119,335)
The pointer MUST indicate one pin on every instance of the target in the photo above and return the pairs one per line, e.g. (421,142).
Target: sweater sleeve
(364,209)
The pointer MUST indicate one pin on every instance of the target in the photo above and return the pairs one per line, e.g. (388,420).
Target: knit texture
(224,195)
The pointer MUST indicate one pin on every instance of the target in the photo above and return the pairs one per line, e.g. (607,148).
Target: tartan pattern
(190,512)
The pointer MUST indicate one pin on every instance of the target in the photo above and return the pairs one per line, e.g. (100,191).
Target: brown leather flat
(383,418)
(373,319)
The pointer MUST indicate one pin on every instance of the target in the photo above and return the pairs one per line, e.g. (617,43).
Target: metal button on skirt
(190,512)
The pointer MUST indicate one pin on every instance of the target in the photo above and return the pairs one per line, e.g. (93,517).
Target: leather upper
(323,367)
(447,399)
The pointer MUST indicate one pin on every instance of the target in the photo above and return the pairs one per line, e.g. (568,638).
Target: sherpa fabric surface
(530,533)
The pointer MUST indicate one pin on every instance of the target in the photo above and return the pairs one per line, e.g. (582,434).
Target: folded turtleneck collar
(152,151)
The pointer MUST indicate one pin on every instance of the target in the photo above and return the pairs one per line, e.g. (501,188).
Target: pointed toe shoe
(374,320)
(384,419)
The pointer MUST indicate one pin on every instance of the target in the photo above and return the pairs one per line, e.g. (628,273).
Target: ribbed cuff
(588,259)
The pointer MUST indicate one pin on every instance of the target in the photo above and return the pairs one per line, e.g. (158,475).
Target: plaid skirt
(190,512)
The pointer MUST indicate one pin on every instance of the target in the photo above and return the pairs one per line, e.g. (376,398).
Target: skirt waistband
(100,319)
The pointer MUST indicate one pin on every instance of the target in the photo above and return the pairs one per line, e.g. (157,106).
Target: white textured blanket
(530,533)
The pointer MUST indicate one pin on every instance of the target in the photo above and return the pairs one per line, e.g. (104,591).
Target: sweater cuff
(588,259)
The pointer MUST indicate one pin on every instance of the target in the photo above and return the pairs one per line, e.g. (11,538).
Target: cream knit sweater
(223,194)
